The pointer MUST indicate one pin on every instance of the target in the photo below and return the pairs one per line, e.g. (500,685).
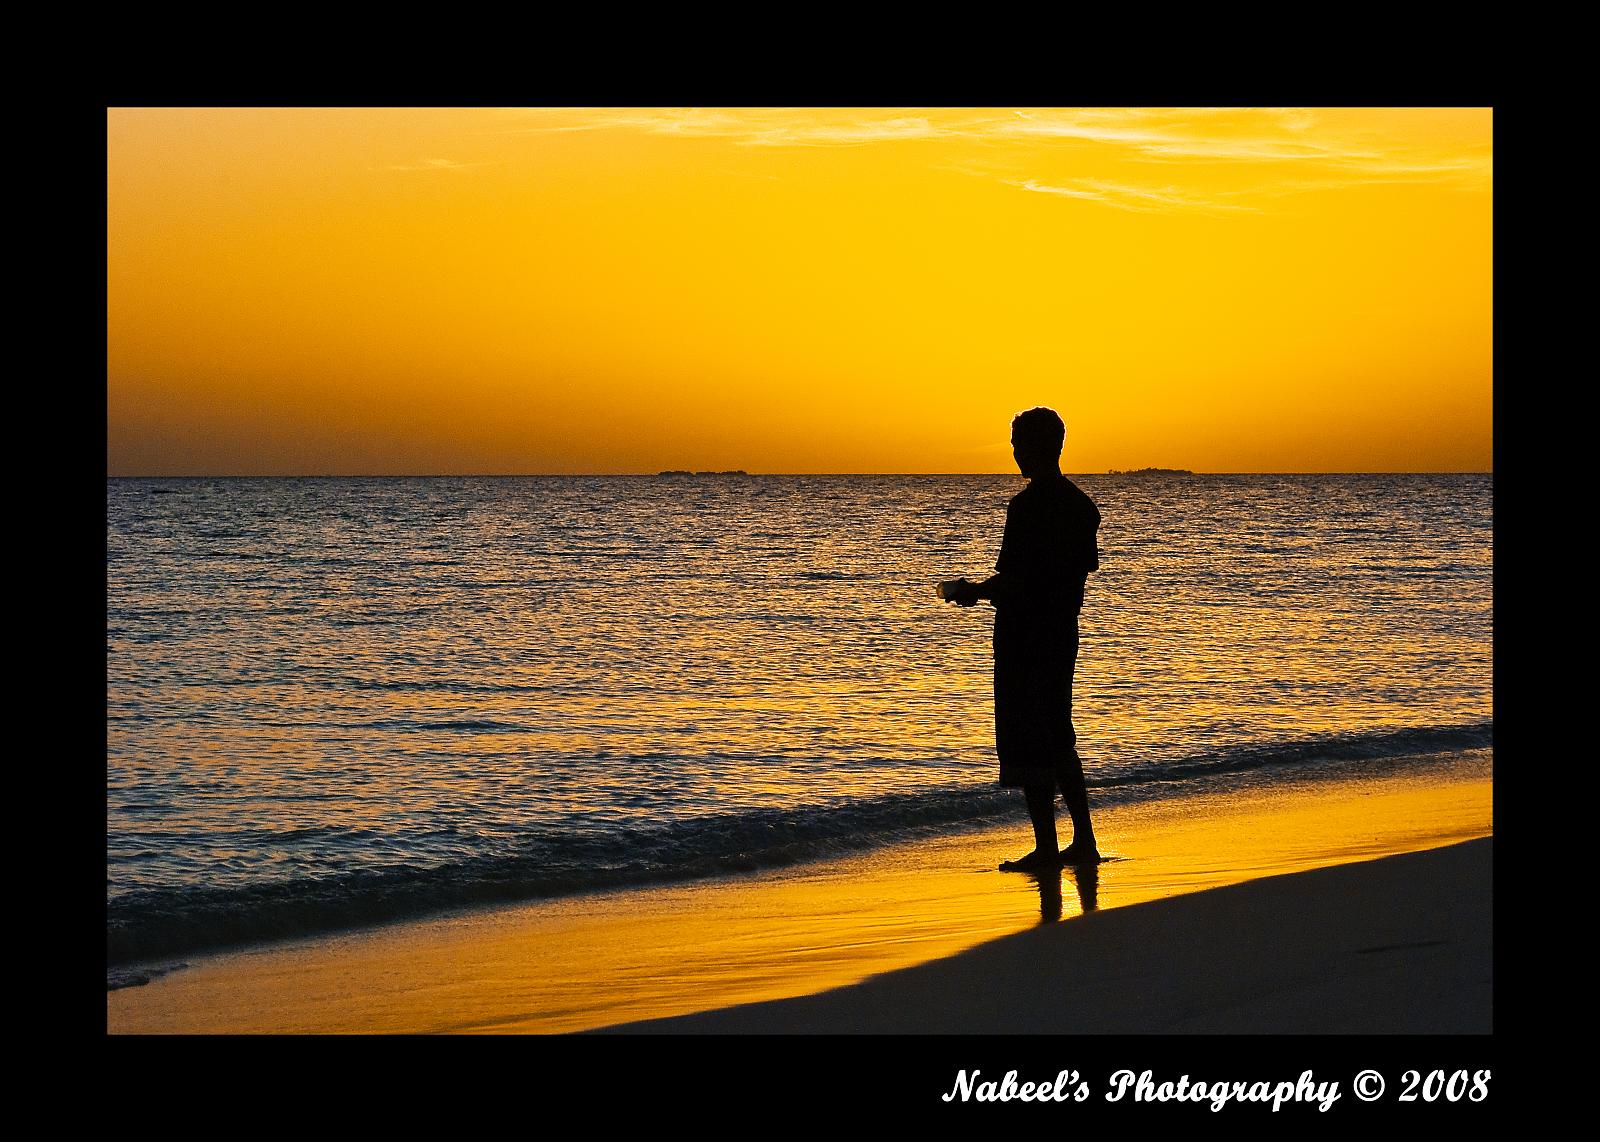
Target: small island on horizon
(1151,472)
(686,472)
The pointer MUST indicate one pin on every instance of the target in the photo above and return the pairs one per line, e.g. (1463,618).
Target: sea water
(332,701)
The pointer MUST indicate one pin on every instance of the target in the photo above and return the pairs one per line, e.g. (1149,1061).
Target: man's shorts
(1033,732)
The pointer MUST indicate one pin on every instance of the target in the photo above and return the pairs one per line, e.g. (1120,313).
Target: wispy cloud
(1264,143)
(1096,127)
(1124,197)
(1292,118)
(1192,133)
(664,122)
(430,165)
(1138,128)
(1441,167)
(758,129)
(1250,151)
(1475,175)
(845,134)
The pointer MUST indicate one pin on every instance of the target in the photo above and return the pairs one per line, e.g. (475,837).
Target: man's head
(1036,439)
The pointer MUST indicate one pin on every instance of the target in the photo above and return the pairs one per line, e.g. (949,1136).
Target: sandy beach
(1400,945)
(1312,910)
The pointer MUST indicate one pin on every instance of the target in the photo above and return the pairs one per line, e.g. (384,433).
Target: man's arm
(997,587)
(1002,586)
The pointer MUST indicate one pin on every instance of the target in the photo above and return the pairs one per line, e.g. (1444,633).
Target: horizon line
(678,474)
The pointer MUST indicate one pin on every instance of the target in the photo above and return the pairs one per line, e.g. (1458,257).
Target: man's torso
(1048,550)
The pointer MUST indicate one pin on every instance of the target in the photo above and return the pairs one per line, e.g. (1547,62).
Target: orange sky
(880,290)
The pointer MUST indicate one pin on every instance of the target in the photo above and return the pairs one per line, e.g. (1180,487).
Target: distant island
(1151,472)
(686,472)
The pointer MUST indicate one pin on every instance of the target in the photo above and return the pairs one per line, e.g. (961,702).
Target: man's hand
(962,593)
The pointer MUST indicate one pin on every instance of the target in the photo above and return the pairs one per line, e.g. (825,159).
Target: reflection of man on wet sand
(1046,555)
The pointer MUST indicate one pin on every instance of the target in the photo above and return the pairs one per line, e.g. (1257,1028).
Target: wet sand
(1352,943)
(1400,945)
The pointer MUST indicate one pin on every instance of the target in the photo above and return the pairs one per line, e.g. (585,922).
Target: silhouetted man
(1046,555)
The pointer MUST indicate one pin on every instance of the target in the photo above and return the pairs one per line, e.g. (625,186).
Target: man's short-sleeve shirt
(1049,547)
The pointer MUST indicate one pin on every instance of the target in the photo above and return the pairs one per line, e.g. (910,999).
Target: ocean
(338,701)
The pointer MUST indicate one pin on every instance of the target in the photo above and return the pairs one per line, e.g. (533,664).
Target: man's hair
(1040,428)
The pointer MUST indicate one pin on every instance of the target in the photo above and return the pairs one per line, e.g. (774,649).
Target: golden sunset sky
(309,291)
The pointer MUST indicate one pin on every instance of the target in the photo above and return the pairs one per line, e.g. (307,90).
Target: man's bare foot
(1033,862)
(1080,854)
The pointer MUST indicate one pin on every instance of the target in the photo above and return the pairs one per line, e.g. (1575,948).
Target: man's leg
(1041,798)
(1076,795)
(1069,772)
(1042,811)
